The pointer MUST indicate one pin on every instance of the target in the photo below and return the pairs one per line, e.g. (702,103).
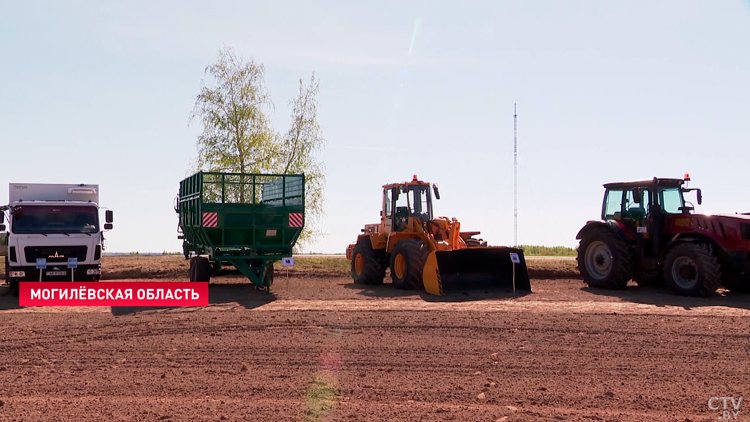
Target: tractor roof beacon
(650,233)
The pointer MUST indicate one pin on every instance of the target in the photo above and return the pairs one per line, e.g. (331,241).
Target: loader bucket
(474,268)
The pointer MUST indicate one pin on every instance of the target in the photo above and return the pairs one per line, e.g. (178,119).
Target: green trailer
(248,221)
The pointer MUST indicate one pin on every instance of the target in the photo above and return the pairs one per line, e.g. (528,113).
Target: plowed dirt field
(321,348)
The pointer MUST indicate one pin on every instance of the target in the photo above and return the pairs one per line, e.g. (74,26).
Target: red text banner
(113,294)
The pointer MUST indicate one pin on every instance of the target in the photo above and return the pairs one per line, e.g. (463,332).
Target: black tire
(691,269)
(649,277)
(474,243)
(367,266)
(269,276)
(13,285)
(407,264)
(200,269)
(604,260)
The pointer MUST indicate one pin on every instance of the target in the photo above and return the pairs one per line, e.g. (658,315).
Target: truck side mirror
(700,196)
(437,192)
(107,226)
(108,216)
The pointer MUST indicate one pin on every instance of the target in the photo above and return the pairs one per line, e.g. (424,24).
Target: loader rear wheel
(692,270)
(407,264)
(604,260)
(200,269)
(474,243)
(367,267)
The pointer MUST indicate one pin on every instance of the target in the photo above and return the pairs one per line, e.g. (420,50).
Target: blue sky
(100,92)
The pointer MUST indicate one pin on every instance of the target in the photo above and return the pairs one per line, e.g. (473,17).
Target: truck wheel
(648,277)
(604,260)
(12,284)
(407,264)
(366,267)
(692,270)
(200,269)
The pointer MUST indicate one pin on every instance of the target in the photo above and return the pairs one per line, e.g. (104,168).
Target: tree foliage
(237,136)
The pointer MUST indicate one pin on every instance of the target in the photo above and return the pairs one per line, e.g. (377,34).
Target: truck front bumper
(55,273)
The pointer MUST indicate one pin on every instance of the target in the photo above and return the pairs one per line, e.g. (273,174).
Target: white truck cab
(53,233)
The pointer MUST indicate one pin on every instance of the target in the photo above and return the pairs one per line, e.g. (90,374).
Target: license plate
(53,273)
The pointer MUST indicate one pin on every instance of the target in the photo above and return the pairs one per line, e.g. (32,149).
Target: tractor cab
(642,201)
(402,201)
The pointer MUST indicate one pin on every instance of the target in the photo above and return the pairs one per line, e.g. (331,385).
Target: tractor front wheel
(604,260)
(367,268)
(692,270)
(408,259)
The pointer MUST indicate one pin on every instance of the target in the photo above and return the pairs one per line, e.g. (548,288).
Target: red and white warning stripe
(210,219)
(295,219)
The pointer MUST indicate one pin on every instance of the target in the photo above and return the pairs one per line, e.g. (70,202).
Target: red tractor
(650,234)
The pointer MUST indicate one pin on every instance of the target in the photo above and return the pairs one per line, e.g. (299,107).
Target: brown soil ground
(172,267)
(321,348)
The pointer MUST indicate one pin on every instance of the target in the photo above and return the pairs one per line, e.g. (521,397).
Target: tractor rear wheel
(200,269)
(692,270)
(367,267)
(408,259)
(604,260)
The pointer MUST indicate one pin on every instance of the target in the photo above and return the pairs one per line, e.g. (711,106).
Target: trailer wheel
(366,266)
(408,259)
(604,260)
(692,270)
(269,276)
(200,269)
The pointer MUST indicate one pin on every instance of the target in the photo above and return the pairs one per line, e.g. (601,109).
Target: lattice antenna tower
(515,176)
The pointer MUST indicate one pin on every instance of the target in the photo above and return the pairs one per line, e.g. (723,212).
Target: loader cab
(404,201)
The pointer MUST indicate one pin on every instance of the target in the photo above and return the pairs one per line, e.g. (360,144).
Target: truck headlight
(17,273)
(93,271)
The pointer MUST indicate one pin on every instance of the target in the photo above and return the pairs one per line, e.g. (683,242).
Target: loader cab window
(419,202)
(401,217)
(671,200)
(613,204)
(388,205)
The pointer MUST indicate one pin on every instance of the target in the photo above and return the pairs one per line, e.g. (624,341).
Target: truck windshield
(55,219)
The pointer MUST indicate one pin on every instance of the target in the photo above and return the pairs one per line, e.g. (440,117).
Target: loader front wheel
(408,259)
(692,270)
(604,260)
(367,268)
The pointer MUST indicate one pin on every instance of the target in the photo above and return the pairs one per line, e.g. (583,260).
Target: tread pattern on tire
(709,269)
(373,271)
(415,254)
(622,259)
